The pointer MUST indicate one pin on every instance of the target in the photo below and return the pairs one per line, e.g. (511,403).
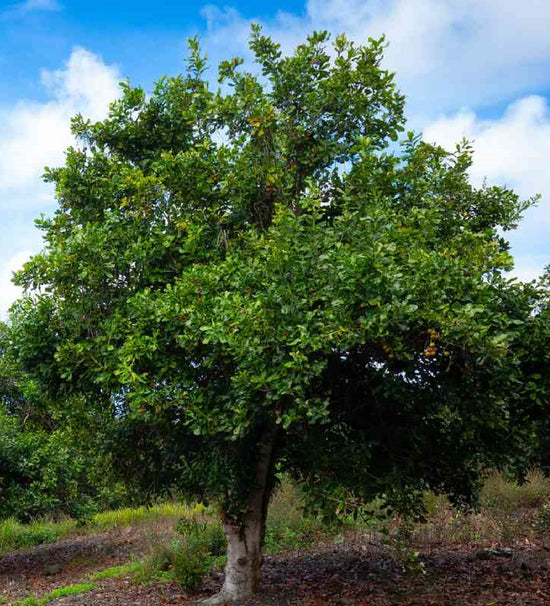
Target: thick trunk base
(245,535)
(219,600)
(244,559)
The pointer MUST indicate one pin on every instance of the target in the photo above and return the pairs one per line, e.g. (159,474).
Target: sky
(469,68)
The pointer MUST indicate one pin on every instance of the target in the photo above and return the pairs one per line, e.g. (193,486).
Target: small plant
(207,532)
(187,559)
(193,556)
(400,545)
(156,566)
(191,562)
(185,562)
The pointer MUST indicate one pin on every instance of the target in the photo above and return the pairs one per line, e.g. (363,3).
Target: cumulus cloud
(448,54)
(512,150)
(33,135)
(8,291)
(445,52)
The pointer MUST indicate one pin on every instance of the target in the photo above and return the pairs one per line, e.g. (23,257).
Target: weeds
(116,572)
(503,495)
(121,518)
(508,511)
(61,592)
(14,535)
(289,526)
(188,558)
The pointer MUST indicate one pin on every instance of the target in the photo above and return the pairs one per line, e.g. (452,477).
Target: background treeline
(49,466)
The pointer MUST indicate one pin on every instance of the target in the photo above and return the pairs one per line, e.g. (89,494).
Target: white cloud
(8,291)
(448,54)
(445,52)
(33,135)
(512,150)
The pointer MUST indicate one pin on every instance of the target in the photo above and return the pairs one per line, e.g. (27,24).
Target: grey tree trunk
(245,534)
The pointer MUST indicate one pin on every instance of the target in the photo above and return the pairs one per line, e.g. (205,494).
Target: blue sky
(474,68)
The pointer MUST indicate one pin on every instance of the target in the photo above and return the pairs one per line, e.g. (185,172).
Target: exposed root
(219,599)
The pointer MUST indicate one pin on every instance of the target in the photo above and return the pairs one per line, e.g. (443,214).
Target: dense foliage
(49,464)
(259,276)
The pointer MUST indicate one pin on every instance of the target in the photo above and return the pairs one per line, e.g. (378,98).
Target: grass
(502,494)
(187,558)
(287,525)
(121,518)
(61,592)
(200,546)
(508,511)
(14,535)
(116,572)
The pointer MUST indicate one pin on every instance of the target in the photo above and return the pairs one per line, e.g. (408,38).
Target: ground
(352,568)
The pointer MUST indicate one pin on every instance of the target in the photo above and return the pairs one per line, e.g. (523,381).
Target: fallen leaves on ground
(354,573)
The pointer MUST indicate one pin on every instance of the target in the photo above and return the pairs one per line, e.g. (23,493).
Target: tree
(43,468)
(256,280)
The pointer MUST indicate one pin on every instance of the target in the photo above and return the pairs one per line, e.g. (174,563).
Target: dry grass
(509,511)
(505,495)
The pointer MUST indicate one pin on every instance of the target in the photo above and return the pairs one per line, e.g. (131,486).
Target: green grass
(116,572)
(508,510)
(187,559)
(14,535)
(288,526)
(120,518)
(61,592)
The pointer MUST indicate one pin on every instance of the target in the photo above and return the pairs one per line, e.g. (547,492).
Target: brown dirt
(38,570)
(355,573)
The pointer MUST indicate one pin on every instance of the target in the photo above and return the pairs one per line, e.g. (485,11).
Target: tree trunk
(245,533)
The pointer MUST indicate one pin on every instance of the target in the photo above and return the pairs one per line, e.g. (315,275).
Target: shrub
(156,566)
(506,495)
(187,559)
(14,535)
(206,532)
(289,525)
(544,517)
(191,562)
